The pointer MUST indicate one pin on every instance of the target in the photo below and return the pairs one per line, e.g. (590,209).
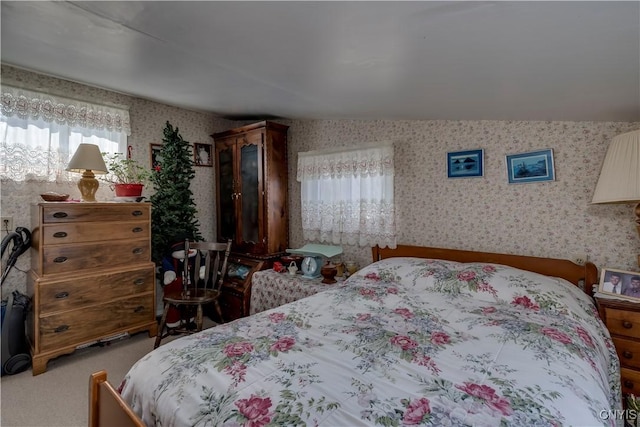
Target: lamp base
(88,185)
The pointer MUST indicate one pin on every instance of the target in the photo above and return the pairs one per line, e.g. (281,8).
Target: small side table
(270,289)
(622,318)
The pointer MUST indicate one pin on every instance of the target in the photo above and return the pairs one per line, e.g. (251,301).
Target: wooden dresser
(623,321)
(91,276)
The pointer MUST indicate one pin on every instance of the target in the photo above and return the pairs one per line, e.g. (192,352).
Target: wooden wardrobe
(251,200)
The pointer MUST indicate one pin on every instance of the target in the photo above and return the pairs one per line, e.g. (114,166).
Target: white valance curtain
(347,196)
(27,104)
(40,132)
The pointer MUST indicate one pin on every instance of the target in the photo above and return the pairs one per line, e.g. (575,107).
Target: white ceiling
(577,60)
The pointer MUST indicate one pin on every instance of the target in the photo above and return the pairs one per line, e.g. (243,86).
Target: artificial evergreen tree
(173,213)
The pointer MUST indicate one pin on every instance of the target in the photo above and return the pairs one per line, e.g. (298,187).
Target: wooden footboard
(583,276)
(106,407)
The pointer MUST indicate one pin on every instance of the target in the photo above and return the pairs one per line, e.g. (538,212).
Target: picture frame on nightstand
(621,283)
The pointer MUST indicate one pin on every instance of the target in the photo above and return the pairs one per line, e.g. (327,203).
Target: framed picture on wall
(155,157)
(465,164)
(625,284)
(202,154)
(534,166)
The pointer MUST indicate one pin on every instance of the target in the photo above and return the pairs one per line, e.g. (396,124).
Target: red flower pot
(129,190)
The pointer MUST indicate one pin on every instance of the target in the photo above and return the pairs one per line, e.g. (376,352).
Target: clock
(311,266)
(313,258)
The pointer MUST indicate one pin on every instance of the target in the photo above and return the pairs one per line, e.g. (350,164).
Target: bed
(422,336)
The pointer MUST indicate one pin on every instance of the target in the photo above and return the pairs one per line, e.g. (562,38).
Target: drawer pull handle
(60,234)
(138,251)
(138,282)
(61,328)
(137,230)
(627,354)
(138,309)
(60,215)
(628,384)
(60,259)
(627,325)
(136,213)
(61,295)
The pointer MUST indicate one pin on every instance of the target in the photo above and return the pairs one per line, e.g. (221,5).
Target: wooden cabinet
(623,321)
(236,290)
(91,276)
(251,188)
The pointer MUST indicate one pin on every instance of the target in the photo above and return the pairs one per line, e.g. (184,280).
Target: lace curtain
(39,133)
(347,196)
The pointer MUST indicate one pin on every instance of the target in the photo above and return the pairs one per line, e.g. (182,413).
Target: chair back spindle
(199,289)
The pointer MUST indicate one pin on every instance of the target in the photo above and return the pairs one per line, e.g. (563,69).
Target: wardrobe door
(226,197)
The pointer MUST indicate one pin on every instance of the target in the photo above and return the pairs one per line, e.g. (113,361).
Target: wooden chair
(106,407)
(201,285)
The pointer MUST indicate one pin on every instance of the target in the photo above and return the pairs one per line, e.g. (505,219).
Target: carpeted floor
(60,396)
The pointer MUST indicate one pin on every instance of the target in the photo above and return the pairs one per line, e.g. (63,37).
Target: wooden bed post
(106,407)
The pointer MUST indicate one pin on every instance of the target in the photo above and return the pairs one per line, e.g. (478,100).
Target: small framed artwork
(156,156)
(624,284)
(465,164)
(534,166)
(202,154)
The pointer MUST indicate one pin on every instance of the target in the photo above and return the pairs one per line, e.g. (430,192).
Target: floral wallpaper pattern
(548,219)
(148,120)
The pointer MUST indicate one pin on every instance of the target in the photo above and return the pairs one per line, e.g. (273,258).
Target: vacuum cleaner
(13,341)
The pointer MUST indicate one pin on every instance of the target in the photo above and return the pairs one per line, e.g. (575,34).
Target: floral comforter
(405,341)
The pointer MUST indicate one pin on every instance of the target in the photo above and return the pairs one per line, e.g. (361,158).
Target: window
(39,133)
(347,196)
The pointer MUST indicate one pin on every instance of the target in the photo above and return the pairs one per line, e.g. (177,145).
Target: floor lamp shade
(619,180)
(88,160)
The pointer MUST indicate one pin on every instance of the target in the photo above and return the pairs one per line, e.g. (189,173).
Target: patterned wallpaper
(550,219)
(148,120)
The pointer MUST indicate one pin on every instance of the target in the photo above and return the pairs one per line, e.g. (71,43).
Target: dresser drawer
(86,324)
(628,352)
(623,322)
(81,232)
(94,212)
(86,290)
(70,258)
(630,381)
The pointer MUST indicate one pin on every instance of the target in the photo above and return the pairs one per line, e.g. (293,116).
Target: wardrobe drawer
(623,322)
(81,232)
(71,258)
(95,212)
(86,290)
(628,352)
(82,325)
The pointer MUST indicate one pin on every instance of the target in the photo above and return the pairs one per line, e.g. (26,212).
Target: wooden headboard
(583,276)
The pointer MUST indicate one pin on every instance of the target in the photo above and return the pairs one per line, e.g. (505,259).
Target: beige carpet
(60,396)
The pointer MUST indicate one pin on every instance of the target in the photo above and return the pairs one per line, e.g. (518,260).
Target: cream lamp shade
(88,160)
(619,180)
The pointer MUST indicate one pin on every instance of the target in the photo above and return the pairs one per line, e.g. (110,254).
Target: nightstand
(270,289)
(622,318)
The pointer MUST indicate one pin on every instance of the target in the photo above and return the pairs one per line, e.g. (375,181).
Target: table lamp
(619,180)
(88,161)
